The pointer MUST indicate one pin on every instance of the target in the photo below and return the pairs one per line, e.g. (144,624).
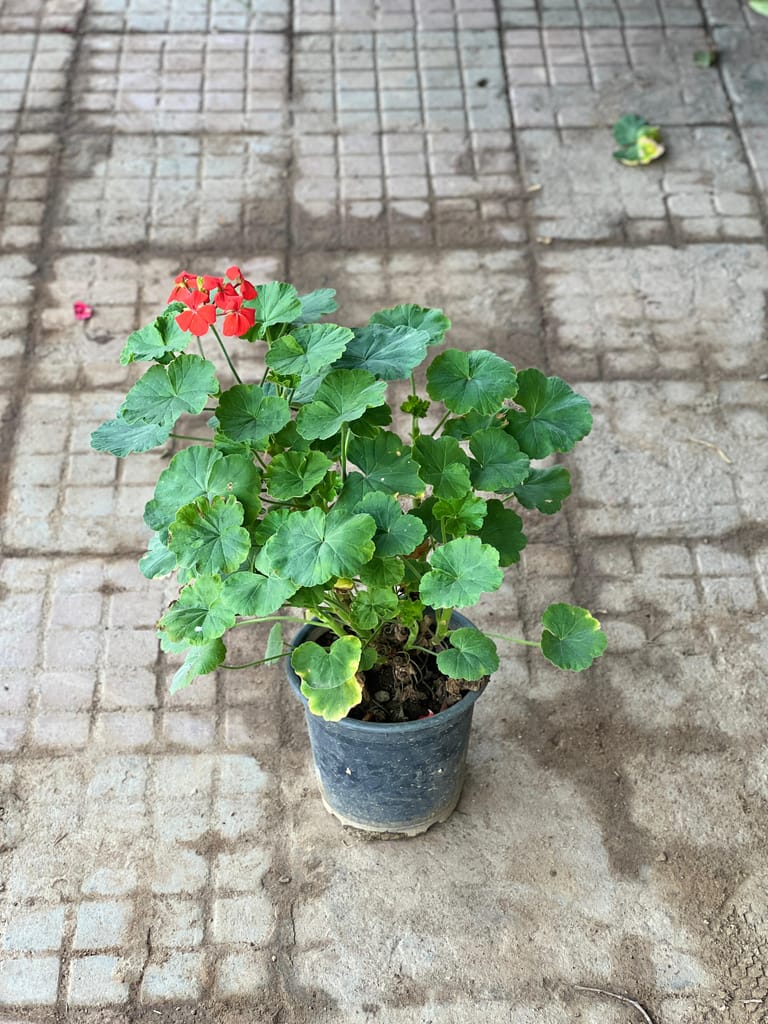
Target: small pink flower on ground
(82,311)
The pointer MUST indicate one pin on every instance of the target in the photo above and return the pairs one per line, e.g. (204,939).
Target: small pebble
(381,696)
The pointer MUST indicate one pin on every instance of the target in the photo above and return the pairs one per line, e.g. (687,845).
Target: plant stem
(515,640)
(440,424)
(414,418)
(223,348)
(268,618)
(188,437)
(344,443)
(261,661)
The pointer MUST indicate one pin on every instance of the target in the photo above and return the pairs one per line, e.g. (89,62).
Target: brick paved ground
(167,858)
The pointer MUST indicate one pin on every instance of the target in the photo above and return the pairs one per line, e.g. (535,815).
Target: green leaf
(385,464)
(343,396)
(443,465)
(307,351)
(466,381)
(120,438)
(708,58)
(759,6)
(433,321)
(199,614)
(628,128)
(246,413)
(274,642)
(157,340)
(500,465)
(275,303)
(158,561)
(311,547)
(545,489)
(328,679)
(208,536)
(250,593)
(197,471)
(294,474)
(165,392)
(503,529)
(471,655)
(320,302)
(369,424)
(459,516)
(389,353)
(269,525)
(396,532)
(371,607)
(199,662)
(555,417)
(382,572)
(572,638)
(460,571)
(467,426)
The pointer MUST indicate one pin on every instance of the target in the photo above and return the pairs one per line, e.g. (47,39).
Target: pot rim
(420,724)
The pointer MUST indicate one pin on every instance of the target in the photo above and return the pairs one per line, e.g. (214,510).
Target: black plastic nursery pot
(397,777)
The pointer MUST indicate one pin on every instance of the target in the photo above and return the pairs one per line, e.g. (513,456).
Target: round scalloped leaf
(307,351)
(157,340)
(382,572)
(320,302)
(572,637)
(458,516)
(433,321)
(545,489)
(499,465)
(389,353)
(465,381)
(343,396)
(199,662)
(276,303)
(294,474)
(208,536)
(199,614)
(385,464)
(443,465)
(471,655)
(121,438)
(158,561)
(311,547)
(246,413)
(165,392)
(555,417)
(396,532)
(184,479)
(371,607)
(503,529)
(250,593)
(328,677)
(459,572)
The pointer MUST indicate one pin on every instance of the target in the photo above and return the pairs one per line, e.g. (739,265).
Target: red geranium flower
(234,274)
(238,322)
(227,298)
(200,315)
(182,282)
(247,290)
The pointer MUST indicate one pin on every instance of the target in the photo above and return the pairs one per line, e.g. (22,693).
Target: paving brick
(97,981)
(124,730)
(246,919)
(242,975)
(189,729)
(175,976)
(101,924)
(110,881)
(40,928)
(178,870)
(177,923)
(64,730)
(242,870)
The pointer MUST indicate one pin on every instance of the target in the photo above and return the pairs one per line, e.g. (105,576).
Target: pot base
(406,831)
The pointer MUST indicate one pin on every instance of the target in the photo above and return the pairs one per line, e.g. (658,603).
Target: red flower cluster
(230,292)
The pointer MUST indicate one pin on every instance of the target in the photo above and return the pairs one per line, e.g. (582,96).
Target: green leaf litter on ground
(639,142)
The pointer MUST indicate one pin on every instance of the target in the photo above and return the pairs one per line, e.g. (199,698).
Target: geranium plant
(303,493)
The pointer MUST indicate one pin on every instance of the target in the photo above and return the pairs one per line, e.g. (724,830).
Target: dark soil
(407,685)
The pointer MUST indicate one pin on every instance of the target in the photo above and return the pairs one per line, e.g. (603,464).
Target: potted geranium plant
(304,494)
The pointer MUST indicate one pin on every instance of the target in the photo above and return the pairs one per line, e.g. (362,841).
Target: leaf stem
(515,640)
(344,443)
(261,661)
(188,437)
(223,348)
(440,424)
